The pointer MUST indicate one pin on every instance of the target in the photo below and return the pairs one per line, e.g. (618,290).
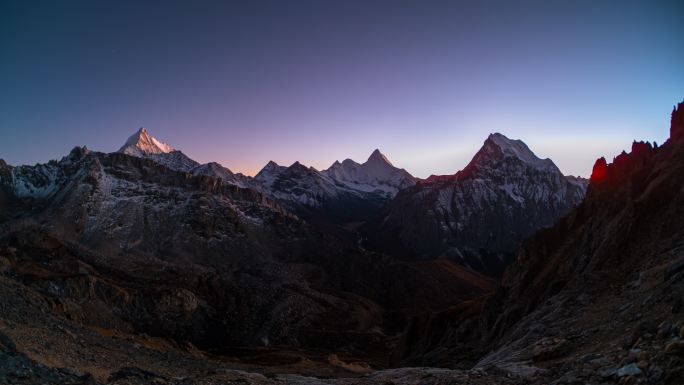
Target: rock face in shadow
(597,297)
(122,242)
(479,216)
(677,122)
(122,268)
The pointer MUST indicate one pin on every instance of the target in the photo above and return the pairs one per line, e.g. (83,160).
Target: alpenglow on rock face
(143,145)
(215,170)
(479,216)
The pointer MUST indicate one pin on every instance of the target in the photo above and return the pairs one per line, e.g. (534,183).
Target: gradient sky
(244,82)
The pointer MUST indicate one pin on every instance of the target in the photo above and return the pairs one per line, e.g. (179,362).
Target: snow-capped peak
(376,174)
(269,173)
(270,167)
(143,145)
(143,142)
(378,157)
(511,148)
(212,169)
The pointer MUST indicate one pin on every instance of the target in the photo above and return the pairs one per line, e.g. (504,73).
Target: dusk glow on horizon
(245,82)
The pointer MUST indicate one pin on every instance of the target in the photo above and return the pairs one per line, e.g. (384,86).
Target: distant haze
(245,82)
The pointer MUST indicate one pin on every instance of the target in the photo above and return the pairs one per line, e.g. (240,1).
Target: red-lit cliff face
(607,278)
(600,170)
(677,122)
(605,275)
(623,165)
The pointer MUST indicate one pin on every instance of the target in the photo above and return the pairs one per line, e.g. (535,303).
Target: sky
(245,82)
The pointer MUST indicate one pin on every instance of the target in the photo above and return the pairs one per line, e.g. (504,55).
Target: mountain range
(149,205)
(478,216)
(144,266)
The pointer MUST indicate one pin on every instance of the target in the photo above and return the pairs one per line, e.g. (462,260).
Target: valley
(143,266)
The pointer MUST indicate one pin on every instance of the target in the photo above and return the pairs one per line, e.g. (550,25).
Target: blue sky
(245,82)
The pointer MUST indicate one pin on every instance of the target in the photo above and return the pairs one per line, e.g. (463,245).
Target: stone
(628,370)
(665,330)
(635,355)
(607,372)
(628,341)
(675,348)
(548,348)
(678,305)
(590,357)
(655,373)
(599,362)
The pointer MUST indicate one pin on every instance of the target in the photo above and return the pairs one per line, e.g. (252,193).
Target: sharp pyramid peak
(142,141)
(378,157)
(271,166)
(497,143)
(298,166)
(512,147)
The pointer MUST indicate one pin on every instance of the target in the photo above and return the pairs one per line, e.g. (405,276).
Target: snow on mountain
(347,191)
(143,145)
(299,184)
(517,149)
(40,181)
(377,174)
(507,162)
(215,170)
(267,176)
(478,216)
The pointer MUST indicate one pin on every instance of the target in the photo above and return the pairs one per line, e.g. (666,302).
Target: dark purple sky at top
(243,82)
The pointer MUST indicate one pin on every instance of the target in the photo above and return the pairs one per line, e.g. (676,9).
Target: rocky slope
(614,267)
(215,170)
(129,244)
(479,216)
(90,297)
(597,298)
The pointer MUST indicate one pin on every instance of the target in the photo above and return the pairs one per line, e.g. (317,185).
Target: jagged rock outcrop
(677,122)
(611,264)
(215,170)
(598,297)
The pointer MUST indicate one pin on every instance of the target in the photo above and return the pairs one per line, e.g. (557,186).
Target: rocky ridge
(597,298)
(478,216)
